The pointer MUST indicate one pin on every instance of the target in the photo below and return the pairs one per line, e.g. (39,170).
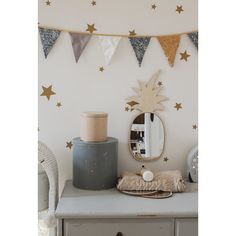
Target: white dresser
(110,213)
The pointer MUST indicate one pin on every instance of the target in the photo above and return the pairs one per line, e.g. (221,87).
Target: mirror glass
(147,137)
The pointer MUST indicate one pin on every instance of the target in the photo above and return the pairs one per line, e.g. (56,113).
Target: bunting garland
(109,43)
(194,38)
(109,46)
(48,39)
(140,46)
(169,45)
(79,42)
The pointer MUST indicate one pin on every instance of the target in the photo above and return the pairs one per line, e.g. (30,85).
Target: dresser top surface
(77,203)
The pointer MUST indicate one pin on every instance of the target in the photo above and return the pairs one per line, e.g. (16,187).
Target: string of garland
(109,42)
(132,32)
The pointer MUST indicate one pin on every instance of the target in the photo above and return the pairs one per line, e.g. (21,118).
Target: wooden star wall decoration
(69,144)
(47,92)
(91,28)
(165,159)
(178,106)
(184,55)
(48,3)
(93,3)
(154,6)
(132,33)
(101,69)
(179,9)
(58,104)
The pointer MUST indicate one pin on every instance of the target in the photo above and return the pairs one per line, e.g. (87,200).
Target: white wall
(81,87)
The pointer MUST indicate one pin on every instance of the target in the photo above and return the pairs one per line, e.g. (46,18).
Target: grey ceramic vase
(95,164)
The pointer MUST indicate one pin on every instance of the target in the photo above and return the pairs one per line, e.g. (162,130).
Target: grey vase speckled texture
(48,39)
(140,46)
(95,164)
(194,38)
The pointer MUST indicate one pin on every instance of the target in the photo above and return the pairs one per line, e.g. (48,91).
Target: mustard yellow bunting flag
(169,45)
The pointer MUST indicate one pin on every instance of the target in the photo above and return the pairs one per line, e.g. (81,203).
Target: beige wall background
(82,87)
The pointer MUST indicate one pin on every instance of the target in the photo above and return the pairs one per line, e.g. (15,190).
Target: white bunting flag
(109,46)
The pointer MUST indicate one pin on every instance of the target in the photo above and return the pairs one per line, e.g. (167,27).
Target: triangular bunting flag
(48,39)
(169,45)
(79,42)
(140,46)
(194,38)
(109,46)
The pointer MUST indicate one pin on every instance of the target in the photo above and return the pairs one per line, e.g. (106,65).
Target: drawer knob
(119,234)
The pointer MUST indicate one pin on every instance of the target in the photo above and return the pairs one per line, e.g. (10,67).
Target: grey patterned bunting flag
(79,42)
(194,38)
(140,45)
(48,38)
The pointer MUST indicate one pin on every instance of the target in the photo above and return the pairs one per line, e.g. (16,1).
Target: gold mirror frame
(147,159)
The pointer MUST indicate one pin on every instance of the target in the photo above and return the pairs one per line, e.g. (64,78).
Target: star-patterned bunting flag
(140,46)
(48,39)
(79,42)
(194,38)
(109,46)
(169,45)
(47,92)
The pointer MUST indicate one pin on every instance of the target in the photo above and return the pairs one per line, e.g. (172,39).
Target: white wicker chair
(48,161)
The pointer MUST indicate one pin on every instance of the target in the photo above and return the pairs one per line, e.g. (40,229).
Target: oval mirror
(147,137)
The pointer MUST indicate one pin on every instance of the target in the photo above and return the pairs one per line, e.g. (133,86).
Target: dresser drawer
(119,227)
(186,227)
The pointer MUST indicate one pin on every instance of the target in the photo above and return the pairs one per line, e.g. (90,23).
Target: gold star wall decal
(194,126)
(58,104)
(184,55)
(159,83)
(69,145)
(132,33)
(48,3)
(91,28)
(179,9)
(47,91)
(132,103)
(165,159)
(178,106)
(154,6)
(101,68)
(126,108)
(93,3)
